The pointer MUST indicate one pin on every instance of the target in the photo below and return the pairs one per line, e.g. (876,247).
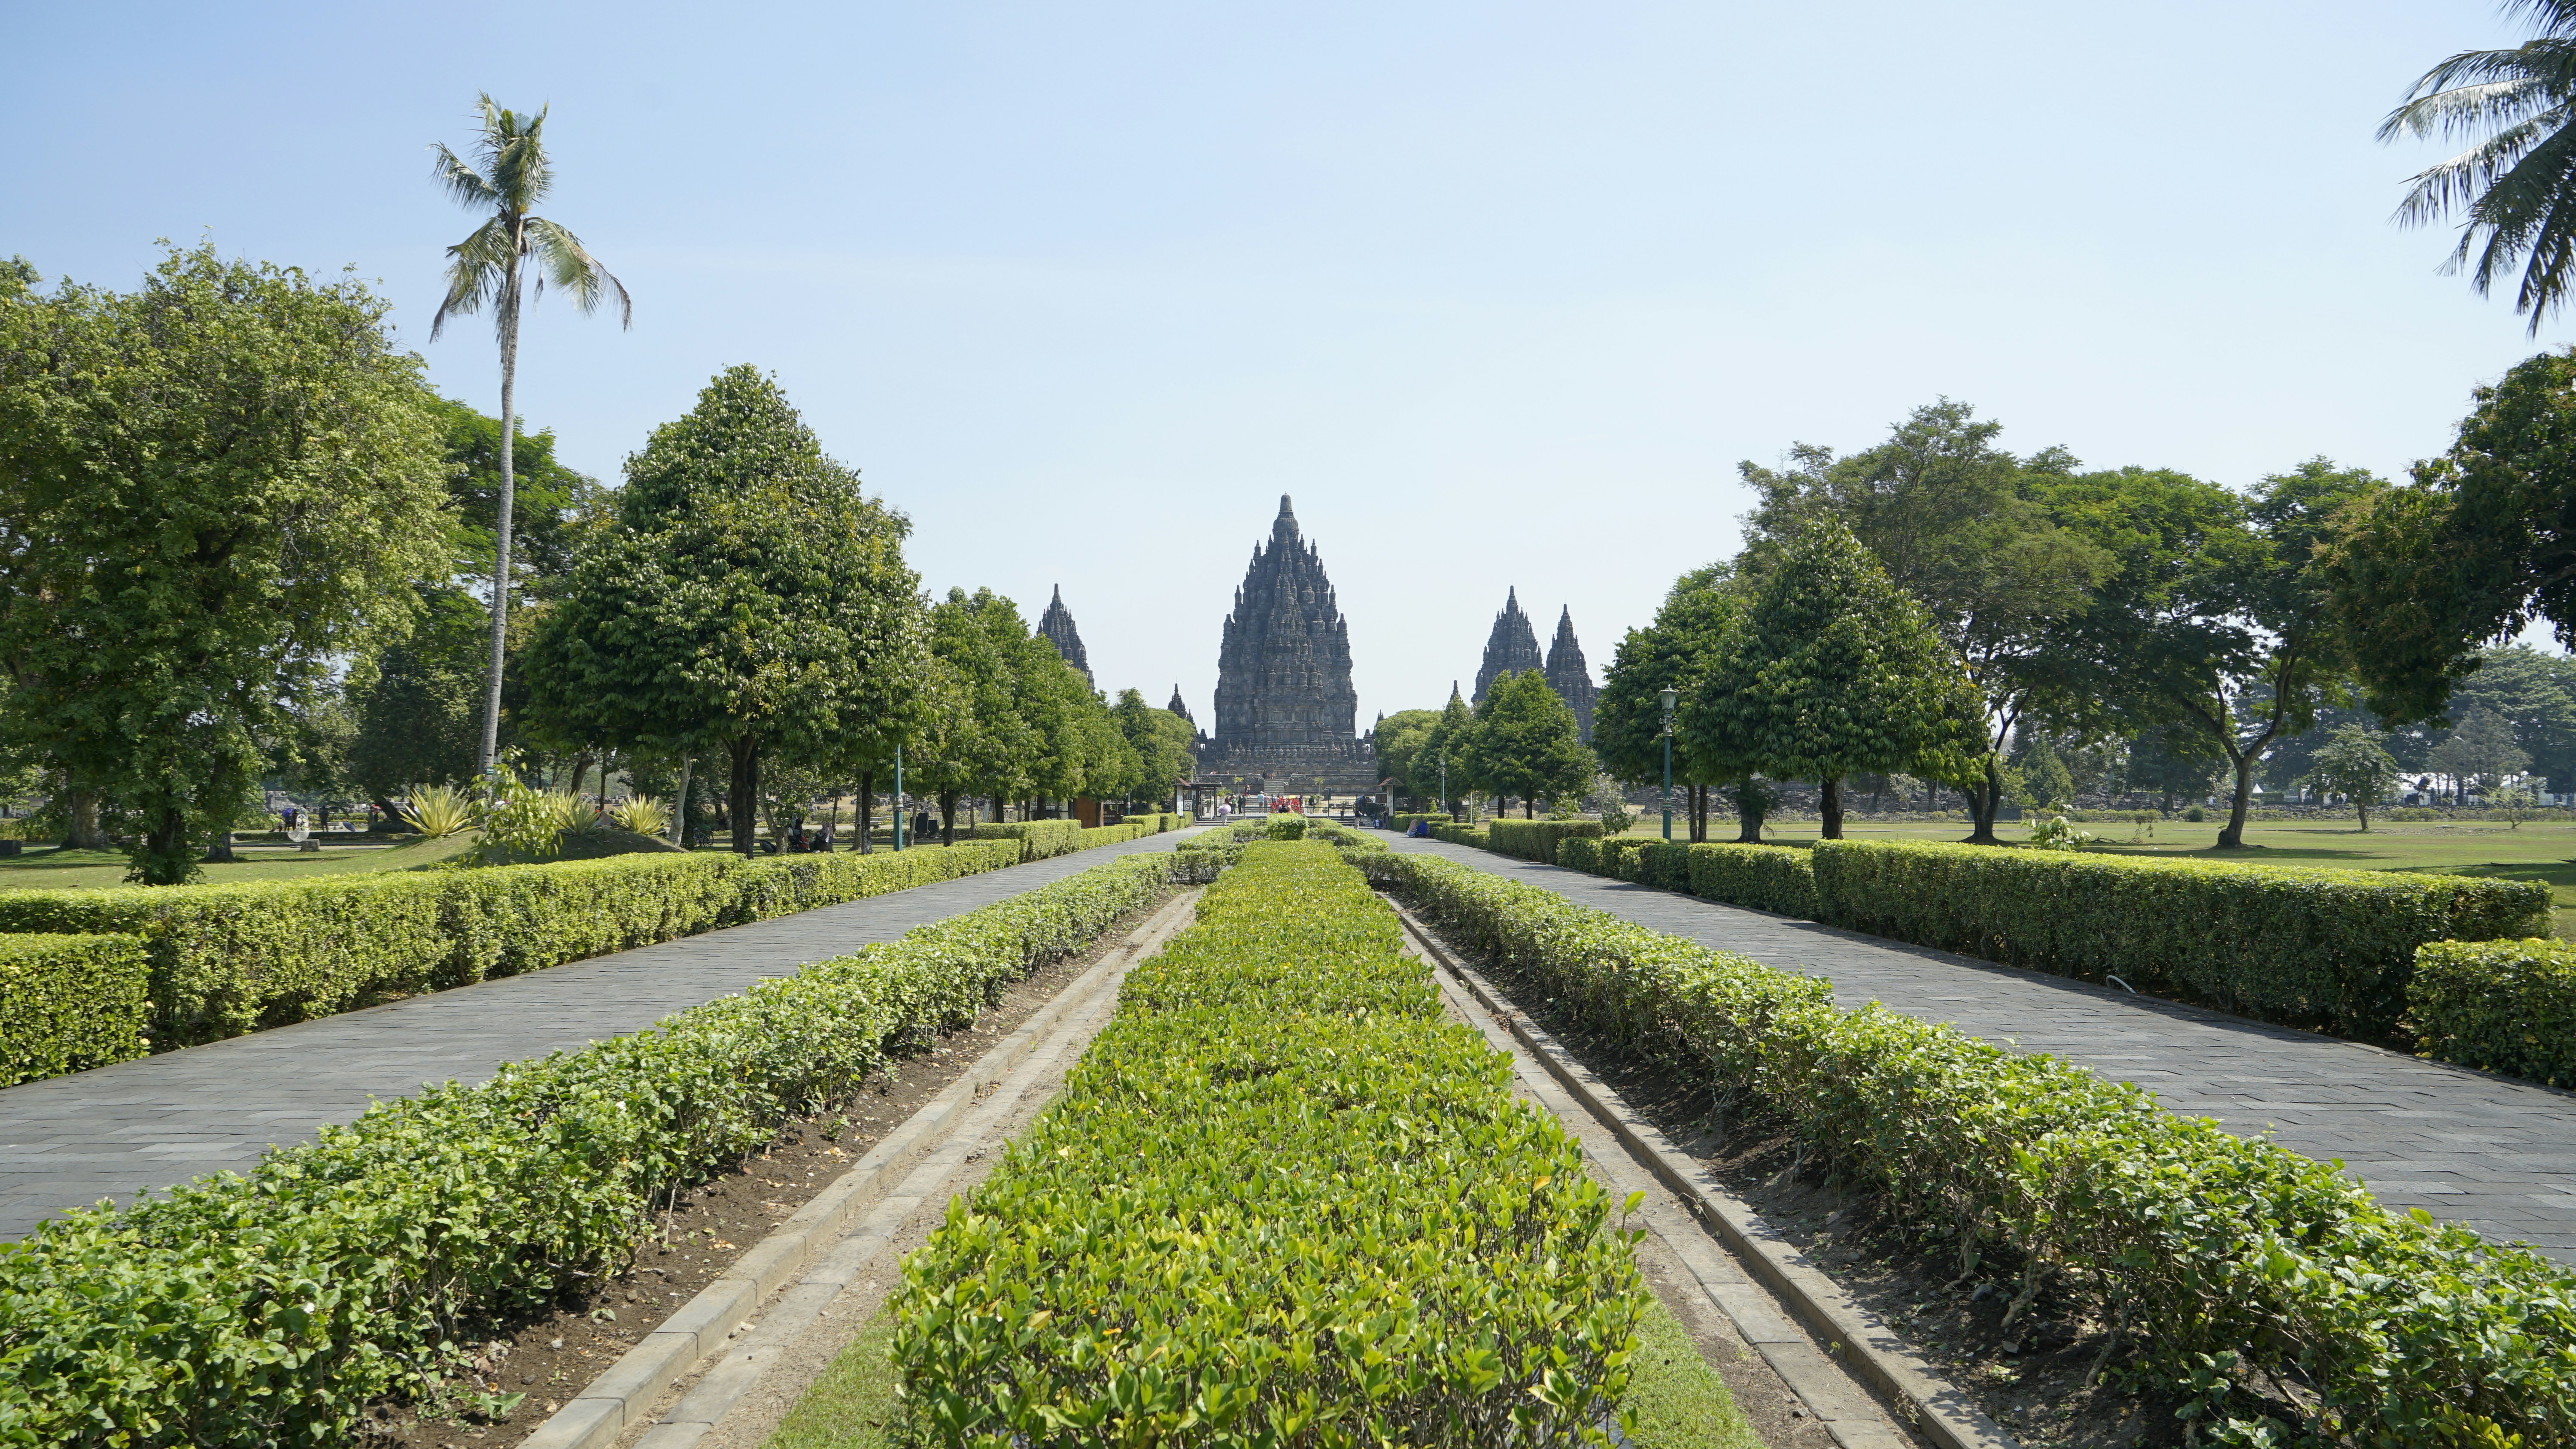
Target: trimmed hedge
(68,1003)
(1460,833)
(2214,1255)
(1403,820)
(231,959)
(271,1309)
(1040,839)
(2500,1006)
(2293,944)
(1776,878)
(1278,1202)
(1537,839)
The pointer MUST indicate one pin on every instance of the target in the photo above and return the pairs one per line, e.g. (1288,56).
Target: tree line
(241,543)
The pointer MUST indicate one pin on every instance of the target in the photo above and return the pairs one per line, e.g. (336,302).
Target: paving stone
(157,1122)
(2497,1154)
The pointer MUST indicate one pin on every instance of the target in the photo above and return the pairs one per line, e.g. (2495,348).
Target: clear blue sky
(1501,293)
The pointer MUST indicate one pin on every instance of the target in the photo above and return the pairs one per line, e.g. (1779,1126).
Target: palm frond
(2471,107)
(459,180)
(563,260)
(2551,17)
(478,269)
(2459,181)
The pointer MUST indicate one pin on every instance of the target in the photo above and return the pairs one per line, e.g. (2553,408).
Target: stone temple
(1513,649)
(1286,714)
(1057,625)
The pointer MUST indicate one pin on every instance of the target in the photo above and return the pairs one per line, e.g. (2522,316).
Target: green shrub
(1664,864)
(68,1003)
(2213,1254)
(230,959)
(1776,878)
(2501,1006)
(1040,839)
(1279,1201)
(1288,827)
(2195,814)
(271,1309)
(1459,833)
(2306,947)
(1403,820)
(1537,839)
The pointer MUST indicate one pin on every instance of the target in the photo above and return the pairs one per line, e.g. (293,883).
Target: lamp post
(898,799)
(1668,695)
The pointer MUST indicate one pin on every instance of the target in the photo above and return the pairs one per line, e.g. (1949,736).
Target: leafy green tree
(983,639)
(211,489)
(1835,669)
(748,597)
(1677,651)
(2513,187)
(1527,743)
(2051,784)
(2244,648)
(2475,548)
(2353,765)
(1969,530)
(1400,738)
(2481,750)
(1161,741)
(490,268)
(1447,755)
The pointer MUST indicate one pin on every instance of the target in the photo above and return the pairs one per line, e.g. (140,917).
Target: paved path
(70,1141)
(2496,1154)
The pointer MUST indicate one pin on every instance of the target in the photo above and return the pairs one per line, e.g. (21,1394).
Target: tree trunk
(581,771)
(867,812)
(2362,806)
(80,821)
(1748,815)
(509,308)
(680,806)
(165,850)
(1829,809)
(1529,807)
(1985,801)
(948,817)
(2233,837)
(745,792)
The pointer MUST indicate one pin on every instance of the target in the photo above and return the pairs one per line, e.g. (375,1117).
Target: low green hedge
(1403,820)
(2216,1256)
(231,959)
(1775,878)
(1040,839)
(2293,944)
(271,1309)
(1278,1202)
(1459,833)
(2500,1006)
(1537,839)
(1286,827)
(68,1003)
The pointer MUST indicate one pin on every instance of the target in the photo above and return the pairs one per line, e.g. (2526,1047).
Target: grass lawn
(2535,852)
(47,868)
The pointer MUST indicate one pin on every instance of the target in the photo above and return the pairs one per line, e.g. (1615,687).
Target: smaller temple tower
(1570,675)
(1057,625)
(1511,649)
(1181,707)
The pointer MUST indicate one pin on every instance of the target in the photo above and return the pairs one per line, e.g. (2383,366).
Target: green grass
(1681,1402)
(47,868)
(2534,852)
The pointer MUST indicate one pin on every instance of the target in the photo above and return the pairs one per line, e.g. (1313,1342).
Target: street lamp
(1668,695)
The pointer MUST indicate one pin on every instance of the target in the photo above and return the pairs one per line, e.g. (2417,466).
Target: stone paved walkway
(2496,1154)
(70,1141)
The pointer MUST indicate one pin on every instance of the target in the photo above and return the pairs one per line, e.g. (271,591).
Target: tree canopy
(1526,742)
(211,488)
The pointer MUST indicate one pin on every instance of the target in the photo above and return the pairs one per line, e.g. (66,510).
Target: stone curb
(1932,1405)
(621,1395)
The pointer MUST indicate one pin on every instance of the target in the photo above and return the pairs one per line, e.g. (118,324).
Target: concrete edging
(625,1392)
(1931,1404)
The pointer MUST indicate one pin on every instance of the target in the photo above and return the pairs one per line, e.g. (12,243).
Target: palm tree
(2517,186)
(488,266)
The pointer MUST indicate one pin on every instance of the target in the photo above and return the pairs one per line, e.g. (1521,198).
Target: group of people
(805,841)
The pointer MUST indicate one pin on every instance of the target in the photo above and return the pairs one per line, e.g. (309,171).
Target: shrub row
(1537,839)
(1040,839)
(231,959)
(1403,820)
(68,1003)
(270,1309)
(2501,1006)
(2216,1256)
(2331,949)
(1278,1202)
(1459,833)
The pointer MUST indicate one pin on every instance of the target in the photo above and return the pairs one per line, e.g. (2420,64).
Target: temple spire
(1057,625)
(1511,649)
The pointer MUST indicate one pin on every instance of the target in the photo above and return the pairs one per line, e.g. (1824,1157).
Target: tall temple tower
(1285,709)
(1510,649)
(1057,625)
(1570,675)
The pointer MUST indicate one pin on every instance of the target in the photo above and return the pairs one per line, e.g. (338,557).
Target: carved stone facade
(1057,625)
(1570,676)
(1286,713)
(1511,649)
